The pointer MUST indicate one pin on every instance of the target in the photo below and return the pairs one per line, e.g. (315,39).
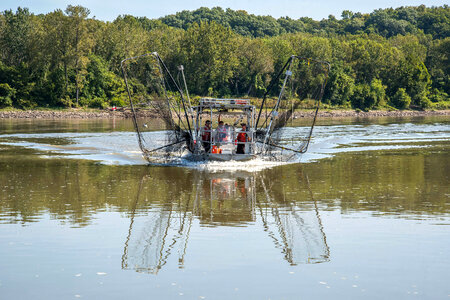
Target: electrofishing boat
(226,142)
(221,129)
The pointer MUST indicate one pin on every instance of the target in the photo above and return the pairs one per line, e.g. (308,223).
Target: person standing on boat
(206,136)
(242,138)
(221,133)
(228,133)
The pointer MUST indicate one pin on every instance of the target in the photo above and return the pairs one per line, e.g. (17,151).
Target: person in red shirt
(241,139)
(206,136)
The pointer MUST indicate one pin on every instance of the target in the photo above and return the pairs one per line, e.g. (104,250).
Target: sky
(316,9)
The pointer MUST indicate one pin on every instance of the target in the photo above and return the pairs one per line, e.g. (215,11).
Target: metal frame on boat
(184,121)
(222,144)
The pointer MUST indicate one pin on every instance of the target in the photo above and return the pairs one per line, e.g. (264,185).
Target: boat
(222,143)
(151,86)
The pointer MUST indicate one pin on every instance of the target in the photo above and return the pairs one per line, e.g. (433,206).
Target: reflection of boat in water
(223,200)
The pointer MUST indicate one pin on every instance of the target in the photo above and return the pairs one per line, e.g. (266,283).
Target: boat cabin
(223,129)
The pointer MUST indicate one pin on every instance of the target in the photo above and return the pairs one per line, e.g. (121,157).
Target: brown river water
(364,214)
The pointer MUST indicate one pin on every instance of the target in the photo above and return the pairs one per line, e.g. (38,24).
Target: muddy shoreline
(108,114)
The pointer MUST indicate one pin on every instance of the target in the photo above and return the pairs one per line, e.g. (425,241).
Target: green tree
(80,42)
(378,91)
(256,64)
(58,54)
(281,49)
(363,98)
(103,84)
(401,99)
(121,39)
(6,94)
(340,87)
(438,64)
(15,34)
(209,52)
(53,59)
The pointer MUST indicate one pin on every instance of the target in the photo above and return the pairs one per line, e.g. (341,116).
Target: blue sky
(316,9)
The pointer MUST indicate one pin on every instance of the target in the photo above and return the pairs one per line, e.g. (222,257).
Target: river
(364,214)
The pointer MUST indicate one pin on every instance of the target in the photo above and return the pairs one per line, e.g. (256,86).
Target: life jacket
(242,137)
(206,134)
(221,133)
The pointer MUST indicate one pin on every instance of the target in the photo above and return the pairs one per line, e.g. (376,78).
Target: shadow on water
(224,199)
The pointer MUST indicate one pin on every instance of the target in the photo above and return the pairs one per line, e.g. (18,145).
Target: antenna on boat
(274,112)
(178,89)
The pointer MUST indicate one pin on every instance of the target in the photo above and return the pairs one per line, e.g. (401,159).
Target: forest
(387,59)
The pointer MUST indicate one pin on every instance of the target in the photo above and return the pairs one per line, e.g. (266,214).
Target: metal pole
(269,127)
(269,88)
(181,68)
(210,130)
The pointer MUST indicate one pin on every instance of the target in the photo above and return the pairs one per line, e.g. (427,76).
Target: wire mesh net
(299,84)
(153,92)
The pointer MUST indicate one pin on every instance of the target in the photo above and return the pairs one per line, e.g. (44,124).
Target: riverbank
(107,114)
(72,114)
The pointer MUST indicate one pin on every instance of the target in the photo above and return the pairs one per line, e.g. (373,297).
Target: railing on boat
(230,139)
(223,102)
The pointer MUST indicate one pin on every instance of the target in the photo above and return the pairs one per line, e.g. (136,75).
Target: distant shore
(108,114)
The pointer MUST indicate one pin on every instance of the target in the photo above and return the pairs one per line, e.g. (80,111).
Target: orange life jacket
(242,137)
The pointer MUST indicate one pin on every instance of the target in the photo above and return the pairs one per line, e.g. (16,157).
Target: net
(300,83)
(154,92)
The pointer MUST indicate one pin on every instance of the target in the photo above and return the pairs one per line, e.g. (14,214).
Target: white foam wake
(120,148)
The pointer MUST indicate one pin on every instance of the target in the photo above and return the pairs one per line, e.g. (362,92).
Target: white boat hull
(228,157)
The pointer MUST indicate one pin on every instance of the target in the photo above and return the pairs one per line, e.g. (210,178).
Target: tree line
(385,22)
(389,58)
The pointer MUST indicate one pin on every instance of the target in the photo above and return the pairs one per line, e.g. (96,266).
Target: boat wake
(120,148)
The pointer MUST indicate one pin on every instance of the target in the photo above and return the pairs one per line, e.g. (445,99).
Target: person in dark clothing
(242,138)
(206,136)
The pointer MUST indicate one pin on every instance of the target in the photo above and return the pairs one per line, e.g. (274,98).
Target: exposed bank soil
(73,114)
(373,113)
(107,114)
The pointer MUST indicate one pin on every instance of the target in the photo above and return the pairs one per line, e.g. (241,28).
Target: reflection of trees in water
(223,199)
(73,191)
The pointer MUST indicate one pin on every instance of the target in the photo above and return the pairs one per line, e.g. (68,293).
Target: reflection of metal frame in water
(297,231)
(148,249)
